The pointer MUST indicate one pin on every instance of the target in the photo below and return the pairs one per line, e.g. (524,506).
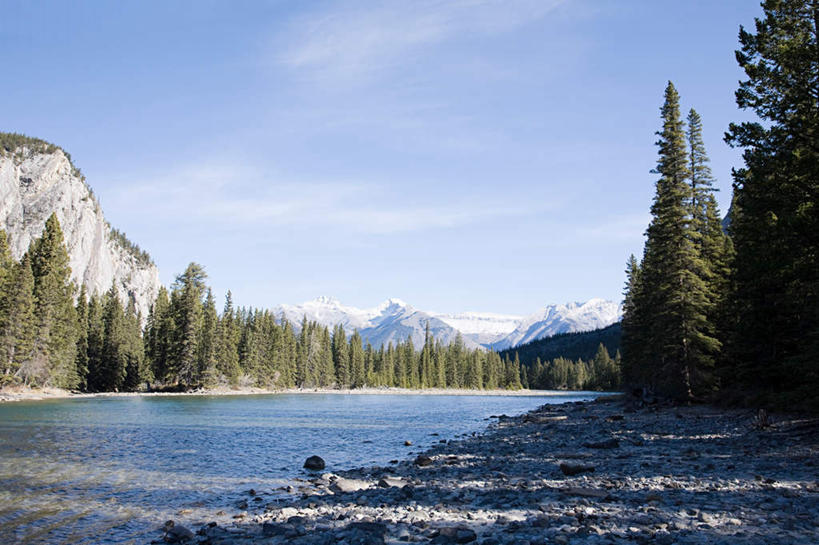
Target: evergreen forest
(736,314)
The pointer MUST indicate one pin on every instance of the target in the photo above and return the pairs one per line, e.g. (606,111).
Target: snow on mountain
(394,321)
(397,321)
(568,318)
(391,321)
(327,311)
(482,327)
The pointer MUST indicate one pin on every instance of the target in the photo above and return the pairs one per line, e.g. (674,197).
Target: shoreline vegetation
(601,472)
(41,394)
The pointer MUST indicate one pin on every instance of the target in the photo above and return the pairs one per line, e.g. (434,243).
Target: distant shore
(40,394)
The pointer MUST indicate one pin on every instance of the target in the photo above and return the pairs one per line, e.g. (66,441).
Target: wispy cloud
(350,43)
(619,228)
(244,197)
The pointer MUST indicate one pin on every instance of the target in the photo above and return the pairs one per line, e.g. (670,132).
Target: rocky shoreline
(588,472)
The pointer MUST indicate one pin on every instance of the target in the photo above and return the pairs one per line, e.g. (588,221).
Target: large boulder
(314,463)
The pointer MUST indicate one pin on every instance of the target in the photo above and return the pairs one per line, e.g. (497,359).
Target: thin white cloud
(620,228)
(244,197)
(350,43)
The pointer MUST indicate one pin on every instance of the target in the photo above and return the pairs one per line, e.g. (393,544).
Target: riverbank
(579,473)
(38,394)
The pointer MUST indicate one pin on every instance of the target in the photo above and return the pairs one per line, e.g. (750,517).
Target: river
(113,469)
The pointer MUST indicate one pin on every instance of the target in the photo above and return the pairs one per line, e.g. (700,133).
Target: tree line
(97,344)
(737,313)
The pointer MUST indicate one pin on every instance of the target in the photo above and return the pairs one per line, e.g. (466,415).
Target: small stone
(314,463)
(607,444)
(575,469)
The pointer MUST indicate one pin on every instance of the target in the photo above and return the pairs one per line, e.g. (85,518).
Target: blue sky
(462,155)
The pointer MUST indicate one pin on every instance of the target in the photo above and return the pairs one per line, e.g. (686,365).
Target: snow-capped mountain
(568,318)
(484,328)
(397,320)
(394,321)
(327,311)
(391,321)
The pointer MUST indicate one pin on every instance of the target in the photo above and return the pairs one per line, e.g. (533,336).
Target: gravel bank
(590,473)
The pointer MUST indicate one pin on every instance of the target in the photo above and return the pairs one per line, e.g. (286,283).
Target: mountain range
(394,320)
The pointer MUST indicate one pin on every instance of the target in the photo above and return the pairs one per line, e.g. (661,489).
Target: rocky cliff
(38,179)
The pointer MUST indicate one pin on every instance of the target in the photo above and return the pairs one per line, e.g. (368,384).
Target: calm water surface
(111,470)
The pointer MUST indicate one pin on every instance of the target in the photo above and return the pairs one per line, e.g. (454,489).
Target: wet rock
(459,534)
(575,469)
(422,461)
(391,482)
(348,485)
(607,444)
(176,533)
(314,463)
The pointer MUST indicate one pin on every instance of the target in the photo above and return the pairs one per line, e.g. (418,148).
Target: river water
(113,469)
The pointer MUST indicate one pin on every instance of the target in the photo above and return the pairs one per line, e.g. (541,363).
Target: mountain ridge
(395,320)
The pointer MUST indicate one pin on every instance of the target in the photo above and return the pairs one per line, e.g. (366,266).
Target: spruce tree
(206,358)
(56,330)
(227,354)
(186,303)
(17,331)
(774,221)
(114,362)
(81,361)
(675,277)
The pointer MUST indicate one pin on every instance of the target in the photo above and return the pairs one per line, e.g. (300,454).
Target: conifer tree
(113,367)
(341,357)
(206,358)
(82,339)
(56,329)
(186,303)
(18,327)
(227,354)
(357,360)
(774,220)
(674,277)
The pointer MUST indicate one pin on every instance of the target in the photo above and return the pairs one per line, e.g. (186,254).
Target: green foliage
(53,361)
(141,256)
(774,293)
(672,297)
(582,345)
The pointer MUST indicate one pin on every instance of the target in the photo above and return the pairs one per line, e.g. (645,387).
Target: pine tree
(774,220)
(81,361)
(675,290)
(186,304)
(635,342)
(18,327)
(113,367)
(55,340)
(341,357)
(96,344)
(227,354)
(357,360)
(206,358)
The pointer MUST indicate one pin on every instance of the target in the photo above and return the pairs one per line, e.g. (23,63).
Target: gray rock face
(33,185)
